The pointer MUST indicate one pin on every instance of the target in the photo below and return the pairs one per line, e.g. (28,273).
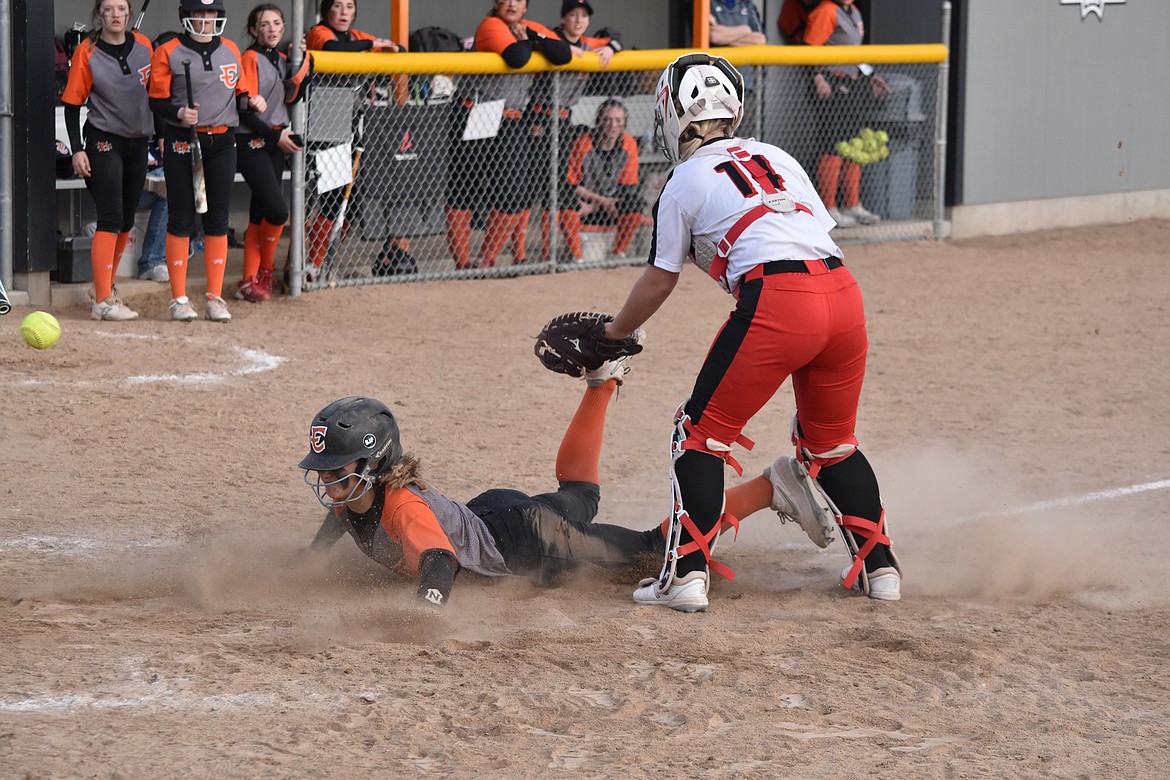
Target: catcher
(747,213)
(375,491)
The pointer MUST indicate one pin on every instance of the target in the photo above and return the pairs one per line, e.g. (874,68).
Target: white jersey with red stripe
(713,194)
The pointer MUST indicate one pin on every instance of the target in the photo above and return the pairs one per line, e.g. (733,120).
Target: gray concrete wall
(1059,106)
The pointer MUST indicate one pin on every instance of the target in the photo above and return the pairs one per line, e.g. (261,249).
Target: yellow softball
(40,330)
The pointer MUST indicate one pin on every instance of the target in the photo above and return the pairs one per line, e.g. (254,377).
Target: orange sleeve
(246,84)
(160,70)
(629,174)
(539,28)
(358,35)
(297,78)
(80,82)
(318,36)
(821,23)
(249,68)
(493,35)
(410,522)
(595,43)
(792,16)
(577,159)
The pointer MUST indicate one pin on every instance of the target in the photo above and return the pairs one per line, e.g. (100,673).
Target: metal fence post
(940,127)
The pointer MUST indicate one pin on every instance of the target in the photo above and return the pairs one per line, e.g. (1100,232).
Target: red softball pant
(810,326)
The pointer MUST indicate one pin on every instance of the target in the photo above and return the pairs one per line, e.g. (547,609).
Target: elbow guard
(436,576)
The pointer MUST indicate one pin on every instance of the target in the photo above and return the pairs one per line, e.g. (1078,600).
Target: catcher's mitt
(575,343)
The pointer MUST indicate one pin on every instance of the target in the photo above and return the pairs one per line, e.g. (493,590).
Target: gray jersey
(112,81)
(217,78)
(268,70)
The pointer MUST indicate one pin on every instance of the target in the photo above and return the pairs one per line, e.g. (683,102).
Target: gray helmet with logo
(353,429)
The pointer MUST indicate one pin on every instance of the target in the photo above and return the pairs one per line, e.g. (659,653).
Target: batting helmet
(353,429)
(187,7)
(694,88)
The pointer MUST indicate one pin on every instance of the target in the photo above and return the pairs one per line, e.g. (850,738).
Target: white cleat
(795,498)
(217,310)
(861,215)
(842,219)
(686,594)
(112,310)
(182,310)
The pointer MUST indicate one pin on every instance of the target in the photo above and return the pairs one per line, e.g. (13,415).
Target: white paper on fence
(334,167)
(484,120)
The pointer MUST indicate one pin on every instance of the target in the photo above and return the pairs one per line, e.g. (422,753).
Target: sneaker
(885,584)
(842,219)
(795,498)
(251,290)
(862,215)
(112,310)
(156,273)
(266,281)
(217,310)
(686,594)
(613,369)
(182,310)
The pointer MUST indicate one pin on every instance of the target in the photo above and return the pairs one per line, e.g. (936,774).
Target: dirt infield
(159,618)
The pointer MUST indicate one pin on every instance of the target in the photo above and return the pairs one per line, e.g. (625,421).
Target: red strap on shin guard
(700,541)
(876,533)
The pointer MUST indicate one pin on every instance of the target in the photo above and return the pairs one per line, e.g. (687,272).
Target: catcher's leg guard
(658,590)
(874,570)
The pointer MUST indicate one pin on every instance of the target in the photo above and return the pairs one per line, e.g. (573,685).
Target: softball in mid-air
(40,330)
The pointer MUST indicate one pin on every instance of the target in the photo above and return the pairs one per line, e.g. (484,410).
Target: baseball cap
(569,5)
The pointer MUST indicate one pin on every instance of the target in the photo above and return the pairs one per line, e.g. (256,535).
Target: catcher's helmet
(352,429)
(187,7)
(693,88)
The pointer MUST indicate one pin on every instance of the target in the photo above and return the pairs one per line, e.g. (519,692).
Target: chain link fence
(420,176)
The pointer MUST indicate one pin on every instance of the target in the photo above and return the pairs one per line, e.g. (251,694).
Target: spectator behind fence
(220,90)
(575,16)
(264,141)
(603,179)
(846,96)
(106,75)
(793,18)
(496,171)
(152,261)
(737,23)
(335,32)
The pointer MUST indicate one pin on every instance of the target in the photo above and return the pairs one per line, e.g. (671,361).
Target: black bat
(141,13)
(198,184)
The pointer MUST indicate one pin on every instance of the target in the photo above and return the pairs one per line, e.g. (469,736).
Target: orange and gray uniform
(611,173)
(475,177)
(844,113)
(221,88)
(258,155)
(423,533)
(111,80)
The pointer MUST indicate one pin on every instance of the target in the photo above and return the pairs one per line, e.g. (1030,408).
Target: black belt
(795,266)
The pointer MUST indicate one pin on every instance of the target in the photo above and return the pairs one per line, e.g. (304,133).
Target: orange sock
(497,231)
(459,236)
(251,251)
(545,233)
(101,259)
(269,239)
(750,497)
(119,249)
(571,229)
(215,261)
(177,248)
(626,227)
(828,174)
(580,451)
(520,238)
(319,240)
(851,178)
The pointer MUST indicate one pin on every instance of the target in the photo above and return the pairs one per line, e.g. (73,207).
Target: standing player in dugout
(798,313)
(220,92)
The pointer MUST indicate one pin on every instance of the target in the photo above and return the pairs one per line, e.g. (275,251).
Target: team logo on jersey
(105,146)
(144,74)
(256,143)
(181,147)
(406,148)
(229,75)
(317,438)
(1092,6)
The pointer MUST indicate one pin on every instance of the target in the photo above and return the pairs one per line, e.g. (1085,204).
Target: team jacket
(721,182)
(268,69)
(113,79)
(572,84)
(325,38)
(493,35)
(604,172)
(218,79)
